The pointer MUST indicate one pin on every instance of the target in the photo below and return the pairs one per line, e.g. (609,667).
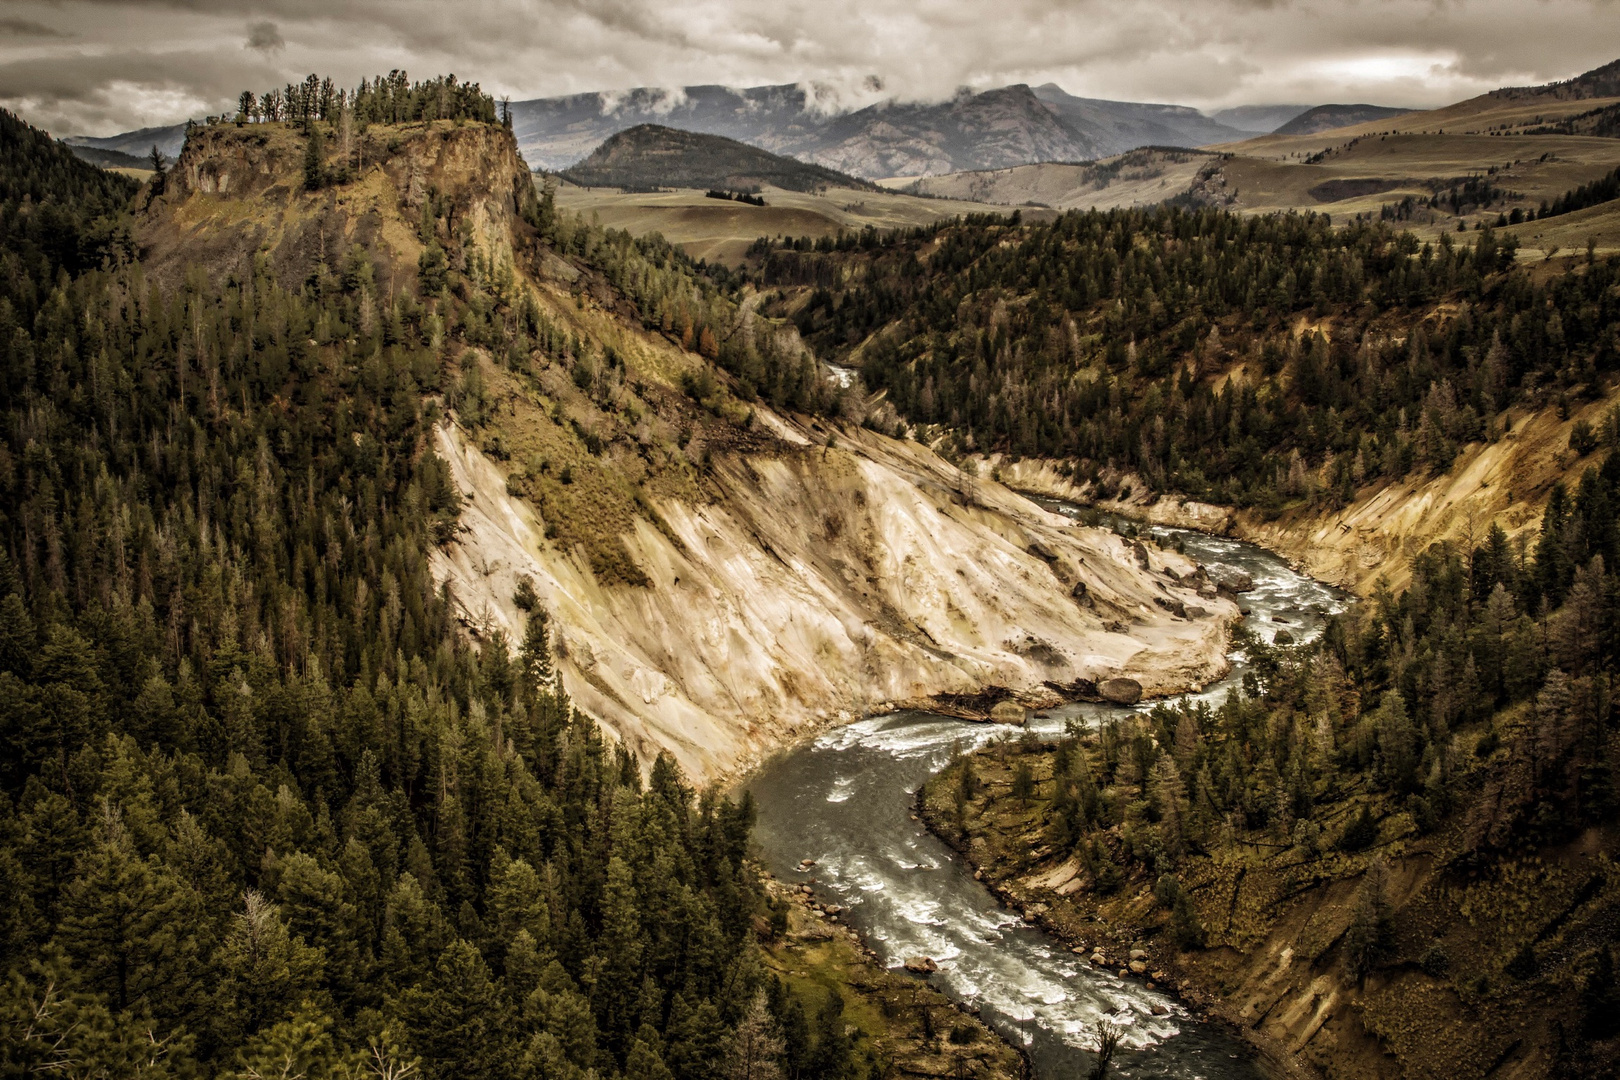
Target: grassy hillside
(1327,117)
(1137,178)
(649,157)
(722,231)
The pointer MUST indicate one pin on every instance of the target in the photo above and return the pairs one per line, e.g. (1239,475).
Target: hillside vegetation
(266,807)
(1391,852)
(1249,361)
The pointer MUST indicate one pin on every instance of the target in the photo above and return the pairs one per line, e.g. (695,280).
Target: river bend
(845,800)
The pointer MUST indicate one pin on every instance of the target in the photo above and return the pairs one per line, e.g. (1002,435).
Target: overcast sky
(102,66)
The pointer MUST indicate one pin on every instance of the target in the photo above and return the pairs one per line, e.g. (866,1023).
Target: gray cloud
(27,28)
(265,37)
(130,63)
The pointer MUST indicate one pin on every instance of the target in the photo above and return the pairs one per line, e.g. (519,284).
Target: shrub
(1435,961)
(1361,833)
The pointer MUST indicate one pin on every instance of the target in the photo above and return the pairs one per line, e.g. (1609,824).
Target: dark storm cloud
(137,62)
(265,37)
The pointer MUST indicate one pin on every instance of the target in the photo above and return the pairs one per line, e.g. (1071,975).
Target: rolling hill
(651,156)
(1327,117)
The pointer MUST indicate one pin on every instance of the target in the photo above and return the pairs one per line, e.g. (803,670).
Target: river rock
(1138,967)
(1234,580)
(1120,690)
(1009,712)
(1160,1010)
(921,965)
(1283,637)
(1099,959)
(1172,605)
(1138,954)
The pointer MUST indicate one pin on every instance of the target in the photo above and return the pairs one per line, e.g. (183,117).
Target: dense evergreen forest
(264,810)
(1100,339)
(1468,723)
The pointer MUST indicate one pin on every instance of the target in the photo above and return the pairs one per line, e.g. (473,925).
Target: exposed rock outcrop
(759,626)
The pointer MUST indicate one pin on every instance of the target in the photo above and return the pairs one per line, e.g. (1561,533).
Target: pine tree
(458,1020)
(125,925)
(314,158)
(755,1046)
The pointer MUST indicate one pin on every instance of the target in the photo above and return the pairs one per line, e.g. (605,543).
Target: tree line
(1101,340)
(387,99)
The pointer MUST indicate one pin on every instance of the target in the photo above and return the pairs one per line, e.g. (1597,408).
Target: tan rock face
(765,624)
(236,192)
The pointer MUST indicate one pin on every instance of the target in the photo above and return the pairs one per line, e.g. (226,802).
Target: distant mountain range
(992,129)
(1257,119)
(136,143)
(995,129)
(651,156)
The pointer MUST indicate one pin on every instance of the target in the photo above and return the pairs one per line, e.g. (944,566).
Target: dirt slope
(822,585)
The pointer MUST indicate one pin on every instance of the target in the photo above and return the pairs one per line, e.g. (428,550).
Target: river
(845,800)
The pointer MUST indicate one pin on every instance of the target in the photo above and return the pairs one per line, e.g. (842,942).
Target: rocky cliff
(720,579)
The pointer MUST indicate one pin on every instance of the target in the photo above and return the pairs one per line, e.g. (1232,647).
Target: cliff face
(713,602)
(238,193)
(823,585)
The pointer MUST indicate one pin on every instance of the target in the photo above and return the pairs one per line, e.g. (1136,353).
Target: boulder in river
(1120,690)
(921,965)
(1009,712)
(1138,967)
(1234,580)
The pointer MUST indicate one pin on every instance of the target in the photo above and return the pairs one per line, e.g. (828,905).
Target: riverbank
(1086,931)
(901,1023)
(1401,954)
